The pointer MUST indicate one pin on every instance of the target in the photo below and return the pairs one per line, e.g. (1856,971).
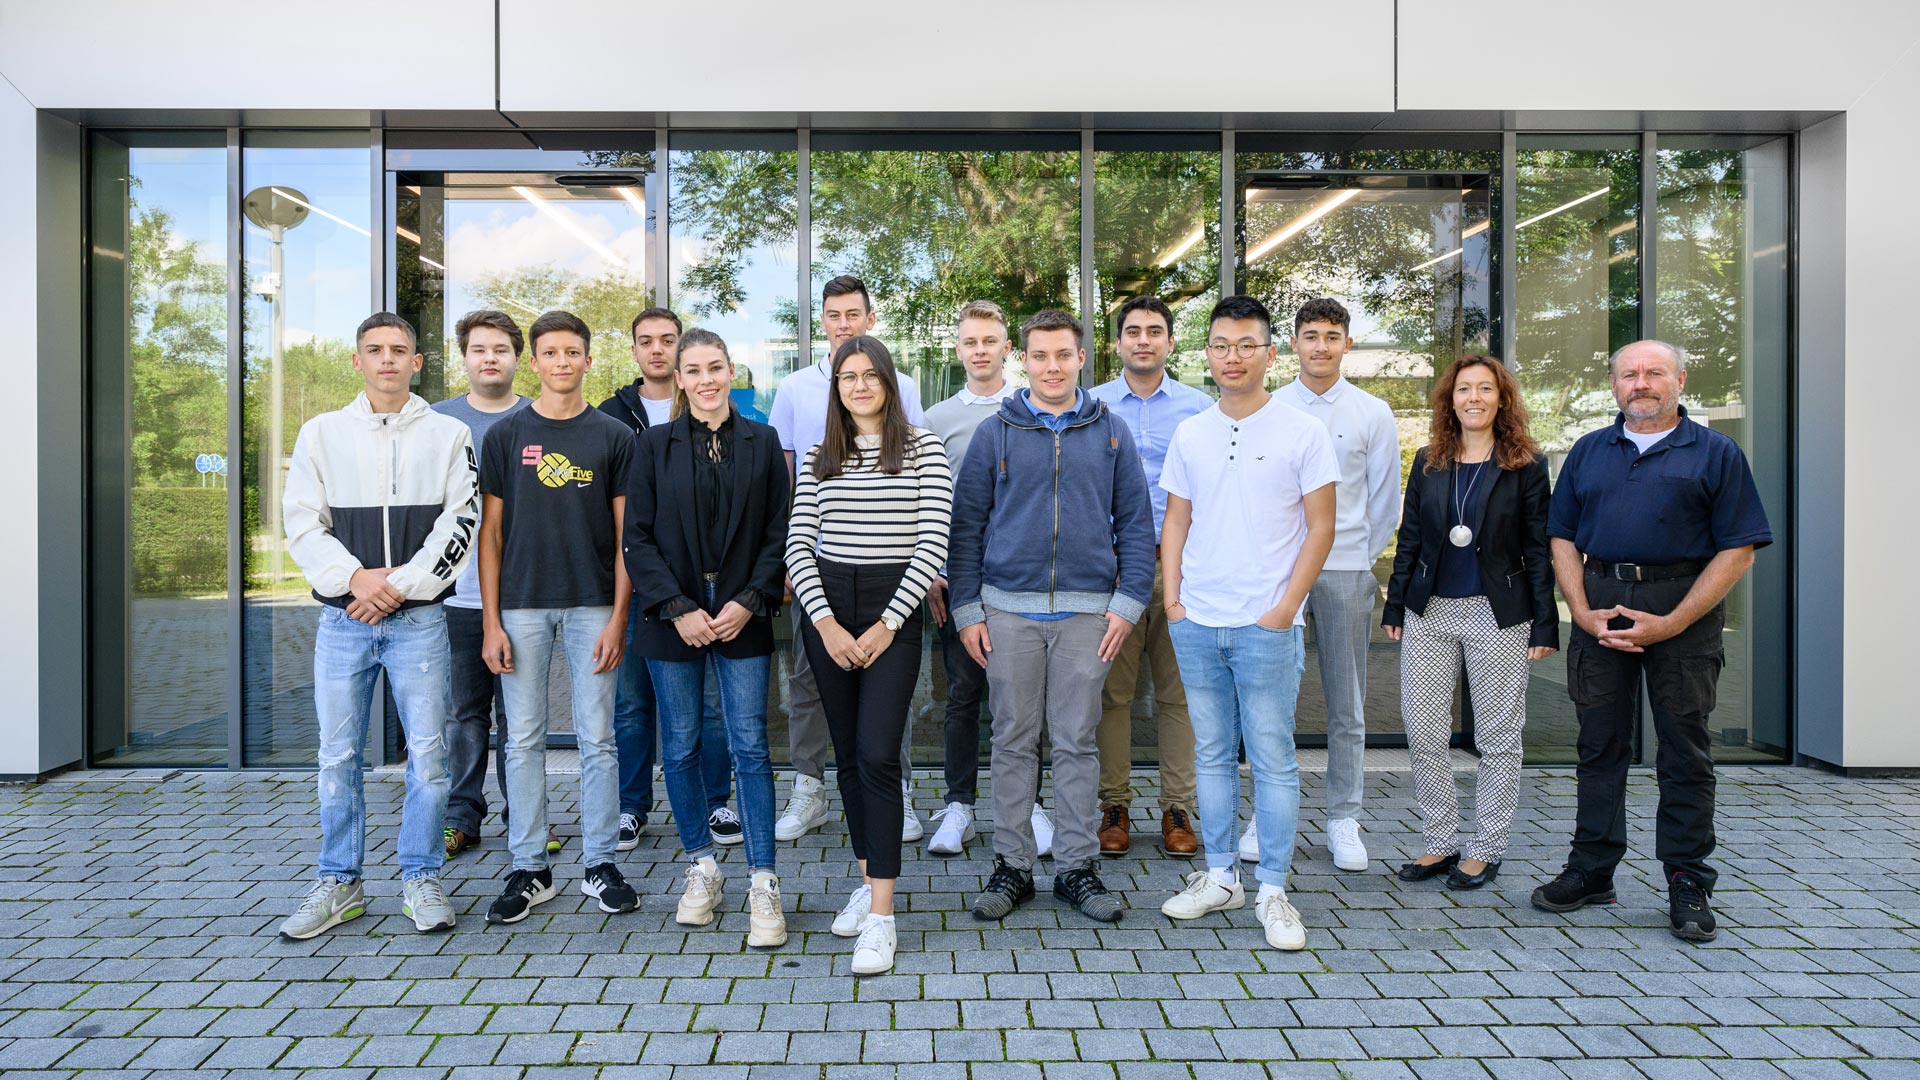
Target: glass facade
(308,274)
(1577,269)
(737,231)
(160,512)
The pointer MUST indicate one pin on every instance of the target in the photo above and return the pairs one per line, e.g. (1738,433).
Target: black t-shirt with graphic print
(557,480)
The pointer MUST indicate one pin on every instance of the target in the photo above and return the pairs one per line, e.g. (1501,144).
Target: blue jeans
(635,730)
(1256,671)
(531,633)
(411,647)
(743,691)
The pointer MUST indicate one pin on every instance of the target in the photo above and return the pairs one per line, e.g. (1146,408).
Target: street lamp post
(275,209)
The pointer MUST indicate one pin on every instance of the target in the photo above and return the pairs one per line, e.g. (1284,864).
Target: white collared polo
(1247,480)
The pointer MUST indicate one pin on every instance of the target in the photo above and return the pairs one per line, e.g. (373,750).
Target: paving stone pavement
(139,915)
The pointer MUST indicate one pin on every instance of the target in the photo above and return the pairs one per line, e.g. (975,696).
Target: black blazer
(1516,566)
(662,535)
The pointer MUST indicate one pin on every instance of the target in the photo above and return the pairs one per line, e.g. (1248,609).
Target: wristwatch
(892,622)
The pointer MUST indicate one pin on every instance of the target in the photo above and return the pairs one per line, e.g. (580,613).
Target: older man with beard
(1654,520)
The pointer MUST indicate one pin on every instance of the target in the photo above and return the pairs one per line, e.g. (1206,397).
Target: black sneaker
(1083,888)
(630,826)
(724,826)
(1008,888)
(1573,890)
(1688,909)
(525,889)
(604,883)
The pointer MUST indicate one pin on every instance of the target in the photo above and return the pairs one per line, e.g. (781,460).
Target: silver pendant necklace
(1461,535)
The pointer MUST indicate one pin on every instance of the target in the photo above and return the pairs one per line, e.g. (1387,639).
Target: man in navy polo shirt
(1654,520)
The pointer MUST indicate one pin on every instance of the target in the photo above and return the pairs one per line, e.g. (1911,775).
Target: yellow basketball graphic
(555,470)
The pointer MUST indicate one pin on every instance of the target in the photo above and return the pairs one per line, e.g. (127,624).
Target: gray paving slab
(139,943)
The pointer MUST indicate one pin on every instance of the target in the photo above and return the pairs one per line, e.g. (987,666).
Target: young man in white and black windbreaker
(380,513)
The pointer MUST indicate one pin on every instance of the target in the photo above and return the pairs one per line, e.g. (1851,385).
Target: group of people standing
(1059,538)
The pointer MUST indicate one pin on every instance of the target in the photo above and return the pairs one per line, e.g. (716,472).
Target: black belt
(1626,571)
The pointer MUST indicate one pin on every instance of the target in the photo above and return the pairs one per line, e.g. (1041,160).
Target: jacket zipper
(393,490)
(1053,564)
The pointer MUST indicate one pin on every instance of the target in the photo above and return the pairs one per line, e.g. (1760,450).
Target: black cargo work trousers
(1682,675)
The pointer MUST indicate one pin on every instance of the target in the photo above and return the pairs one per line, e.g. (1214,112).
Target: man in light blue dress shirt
(1152,403)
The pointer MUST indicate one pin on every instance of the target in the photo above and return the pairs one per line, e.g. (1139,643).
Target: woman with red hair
(1472,584)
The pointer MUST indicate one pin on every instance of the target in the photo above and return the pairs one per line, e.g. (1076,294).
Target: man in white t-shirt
(800,416)
(1250,518)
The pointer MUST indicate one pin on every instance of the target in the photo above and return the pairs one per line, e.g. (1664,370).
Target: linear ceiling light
(1297,225)
(1521,225)
(1185,245)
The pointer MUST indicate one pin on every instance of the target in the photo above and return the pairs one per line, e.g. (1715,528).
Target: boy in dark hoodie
(1050,564)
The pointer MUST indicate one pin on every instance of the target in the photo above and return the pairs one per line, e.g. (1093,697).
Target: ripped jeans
(411,647)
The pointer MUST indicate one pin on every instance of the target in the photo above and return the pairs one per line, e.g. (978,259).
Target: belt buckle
(715,576)
(1620,569)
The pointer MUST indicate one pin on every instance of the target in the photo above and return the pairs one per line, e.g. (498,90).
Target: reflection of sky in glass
(190,185)
(496,238)
(328,260)
(759,337)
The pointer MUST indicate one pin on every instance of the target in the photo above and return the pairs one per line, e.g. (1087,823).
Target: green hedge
(179,540)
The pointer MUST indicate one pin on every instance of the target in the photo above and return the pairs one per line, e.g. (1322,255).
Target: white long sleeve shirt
(1367,445)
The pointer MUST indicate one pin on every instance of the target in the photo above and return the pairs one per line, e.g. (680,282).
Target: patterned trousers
(1432,648)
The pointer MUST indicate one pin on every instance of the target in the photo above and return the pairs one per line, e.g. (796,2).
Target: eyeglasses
(1245,350)
(850,379)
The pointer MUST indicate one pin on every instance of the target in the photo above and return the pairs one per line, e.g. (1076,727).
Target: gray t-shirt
(466,591)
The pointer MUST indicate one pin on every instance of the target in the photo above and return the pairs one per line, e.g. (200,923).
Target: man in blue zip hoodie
(1050,562)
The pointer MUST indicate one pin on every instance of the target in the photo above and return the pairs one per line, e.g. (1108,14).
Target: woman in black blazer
(1472,582)
(707,503)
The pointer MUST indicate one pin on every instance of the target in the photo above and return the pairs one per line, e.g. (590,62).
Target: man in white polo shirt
(1250,518)
(800,416)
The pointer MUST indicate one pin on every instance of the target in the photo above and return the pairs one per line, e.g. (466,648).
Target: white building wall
(20,484)
(980,56)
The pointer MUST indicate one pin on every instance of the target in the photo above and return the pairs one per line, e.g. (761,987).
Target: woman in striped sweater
(867,535)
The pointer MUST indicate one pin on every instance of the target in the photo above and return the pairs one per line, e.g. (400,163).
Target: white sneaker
(426,904)
(859,906)
(910,829)
(806,809)
(1042,832)
(1204,895)
(956,828)
(1250,844)
(873,953)
(1343,840)
(1282,922)
(702,895)
(766,922)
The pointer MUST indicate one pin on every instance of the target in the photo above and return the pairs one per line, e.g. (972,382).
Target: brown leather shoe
(458,842)
(1114,839)
(1176,834)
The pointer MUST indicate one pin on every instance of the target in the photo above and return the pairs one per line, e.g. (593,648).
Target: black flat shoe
(1414,871)
(1457,879)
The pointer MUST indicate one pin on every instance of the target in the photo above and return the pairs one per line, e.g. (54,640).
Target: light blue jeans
(411,647)
(1256,672)
(531,632)
(681,688)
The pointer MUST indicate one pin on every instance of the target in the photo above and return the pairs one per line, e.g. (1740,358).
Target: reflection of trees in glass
(739,204)
(1578,274)
(1704,267)
(1370,252)
(1156,232)
(177,357)
(607,304)
(177,310)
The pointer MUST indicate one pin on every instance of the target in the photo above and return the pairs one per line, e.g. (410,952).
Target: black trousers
(1682,678)
(867,708)
(477,711)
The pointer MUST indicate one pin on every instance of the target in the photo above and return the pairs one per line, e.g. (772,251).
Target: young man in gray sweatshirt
(982,343)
